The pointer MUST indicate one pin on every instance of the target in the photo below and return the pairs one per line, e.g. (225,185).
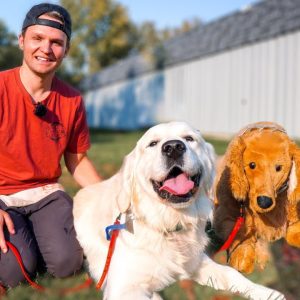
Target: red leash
(38,287)
(115,228)
(112,237)
(20,262)
(238,224)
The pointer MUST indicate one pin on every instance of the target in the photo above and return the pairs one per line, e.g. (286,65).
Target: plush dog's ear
(294,181)
(126,182)
(234,161)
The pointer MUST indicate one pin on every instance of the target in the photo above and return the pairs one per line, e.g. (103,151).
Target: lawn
(107,152)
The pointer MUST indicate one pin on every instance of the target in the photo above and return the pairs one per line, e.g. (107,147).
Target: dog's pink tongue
(179,185)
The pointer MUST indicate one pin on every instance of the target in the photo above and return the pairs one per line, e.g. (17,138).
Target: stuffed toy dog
(258,179)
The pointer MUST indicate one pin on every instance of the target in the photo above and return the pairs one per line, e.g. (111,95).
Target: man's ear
(234,161)
(294,181)
(21,41)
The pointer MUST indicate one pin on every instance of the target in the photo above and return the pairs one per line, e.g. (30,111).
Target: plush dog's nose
(264,201)
(173,149)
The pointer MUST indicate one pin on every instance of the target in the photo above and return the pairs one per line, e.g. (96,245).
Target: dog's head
(171,164)
(263,164)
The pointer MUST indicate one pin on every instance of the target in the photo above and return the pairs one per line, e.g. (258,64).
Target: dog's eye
(152,144)
(252,165)
(188,138)
(278,168)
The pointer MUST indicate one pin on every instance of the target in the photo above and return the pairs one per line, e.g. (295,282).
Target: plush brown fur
(261,169)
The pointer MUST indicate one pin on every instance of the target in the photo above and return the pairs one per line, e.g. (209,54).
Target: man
(41,120)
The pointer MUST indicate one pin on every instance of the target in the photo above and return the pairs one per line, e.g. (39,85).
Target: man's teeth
(43,59)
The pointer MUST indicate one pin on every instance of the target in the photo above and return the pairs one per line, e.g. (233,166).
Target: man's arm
(81,168)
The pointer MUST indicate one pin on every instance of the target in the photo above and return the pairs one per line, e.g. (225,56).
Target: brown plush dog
(260,176)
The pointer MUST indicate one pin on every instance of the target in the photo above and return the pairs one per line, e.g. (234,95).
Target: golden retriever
(162,191)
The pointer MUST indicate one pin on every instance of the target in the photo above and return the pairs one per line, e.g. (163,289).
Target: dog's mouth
(178,186)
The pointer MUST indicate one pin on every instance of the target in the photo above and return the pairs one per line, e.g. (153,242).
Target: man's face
(43,48)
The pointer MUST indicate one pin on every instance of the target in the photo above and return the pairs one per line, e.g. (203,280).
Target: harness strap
(238,224)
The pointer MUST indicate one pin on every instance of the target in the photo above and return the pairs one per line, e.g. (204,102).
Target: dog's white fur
(151,254)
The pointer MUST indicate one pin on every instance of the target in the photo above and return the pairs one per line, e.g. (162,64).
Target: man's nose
(46,47)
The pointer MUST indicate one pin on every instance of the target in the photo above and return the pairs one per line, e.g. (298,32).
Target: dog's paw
(243,259)
(293,235)
(263,293)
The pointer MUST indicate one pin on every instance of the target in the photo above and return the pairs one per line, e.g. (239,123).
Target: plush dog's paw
(243,258)
(264,254)
(293,234)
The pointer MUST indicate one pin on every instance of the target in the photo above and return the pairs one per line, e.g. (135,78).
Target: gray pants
(45,237)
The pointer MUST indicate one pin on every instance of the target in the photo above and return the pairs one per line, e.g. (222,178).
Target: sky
(164,13)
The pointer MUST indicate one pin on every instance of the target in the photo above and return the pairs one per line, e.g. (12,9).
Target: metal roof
(260,21)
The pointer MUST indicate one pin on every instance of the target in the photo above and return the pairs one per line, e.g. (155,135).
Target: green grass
(107,152)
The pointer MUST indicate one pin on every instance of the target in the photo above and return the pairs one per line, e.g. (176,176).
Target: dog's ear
(294,181)
(234,161)
(126,182)
(209,167)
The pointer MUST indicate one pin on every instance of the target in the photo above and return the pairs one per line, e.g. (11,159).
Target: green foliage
(102,33)
(10,55)
(219,145)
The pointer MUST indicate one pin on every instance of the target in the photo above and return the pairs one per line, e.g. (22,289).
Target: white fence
(218,94)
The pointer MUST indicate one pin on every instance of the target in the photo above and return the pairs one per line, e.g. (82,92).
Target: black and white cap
(33,18)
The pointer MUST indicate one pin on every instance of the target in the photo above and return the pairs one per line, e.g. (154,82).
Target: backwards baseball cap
(33,18)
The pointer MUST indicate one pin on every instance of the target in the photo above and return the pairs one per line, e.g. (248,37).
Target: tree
(102,34)
(150,41)
(10,54)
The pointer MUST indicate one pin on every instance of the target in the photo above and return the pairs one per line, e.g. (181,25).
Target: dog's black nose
(173,149)
(264,201)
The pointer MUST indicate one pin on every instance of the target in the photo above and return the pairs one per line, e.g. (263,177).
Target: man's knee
(10,271)
(66,263)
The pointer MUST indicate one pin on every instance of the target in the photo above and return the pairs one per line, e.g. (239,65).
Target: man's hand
(5,220)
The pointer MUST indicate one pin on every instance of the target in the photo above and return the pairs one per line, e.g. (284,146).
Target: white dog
(162,192)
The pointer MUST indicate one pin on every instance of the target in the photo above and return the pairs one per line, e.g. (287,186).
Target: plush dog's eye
(252,165)
(188,138)
(152,144)
(278,168)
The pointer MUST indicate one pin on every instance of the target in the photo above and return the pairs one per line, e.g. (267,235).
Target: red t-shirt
(31,146)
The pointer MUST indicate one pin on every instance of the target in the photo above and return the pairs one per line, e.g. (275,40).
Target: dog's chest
(181,251)
(173,254)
